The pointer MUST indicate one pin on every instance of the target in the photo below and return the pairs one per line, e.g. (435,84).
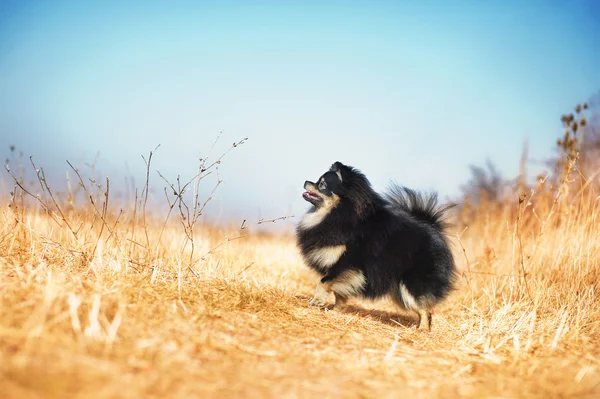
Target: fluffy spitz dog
(368,245)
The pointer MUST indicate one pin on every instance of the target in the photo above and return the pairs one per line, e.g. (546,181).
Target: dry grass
(128,315)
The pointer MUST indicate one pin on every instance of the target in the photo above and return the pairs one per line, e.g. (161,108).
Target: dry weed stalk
(189,215)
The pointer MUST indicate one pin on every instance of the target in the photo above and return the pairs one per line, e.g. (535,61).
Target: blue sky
(409,91)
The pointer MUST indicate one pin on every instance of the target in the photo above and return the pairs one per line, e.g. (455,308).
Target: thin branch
(261,221)
(522,262)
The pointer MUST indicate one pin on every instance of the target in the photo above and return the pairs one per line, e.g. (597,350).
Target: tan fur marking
(312,219)
(349,283)
(421,306)
(424,319)
(327,256)
(339,175)
(408,300)
(340,302)
(322,292)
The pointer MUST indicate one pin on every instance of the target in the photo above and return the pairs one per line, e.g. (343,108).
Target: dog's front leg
(335,275)
(340,302)
(322,292)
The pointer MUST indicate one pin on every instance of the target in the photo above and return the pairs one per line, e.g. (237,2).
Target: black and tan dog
(367,245)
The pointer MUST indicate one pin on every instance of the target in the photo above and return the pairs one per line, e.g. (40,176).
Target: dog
(368,245)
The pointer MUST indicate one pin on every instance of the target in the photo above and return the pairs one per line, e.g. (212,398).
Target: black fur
(393,239)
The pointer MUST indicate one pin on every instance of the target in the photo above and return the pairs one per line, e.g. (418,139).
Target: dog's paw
(339,308)
(317,301)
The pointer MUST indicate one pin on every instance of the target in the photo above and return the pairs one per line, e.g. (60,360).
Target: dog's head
(328,188)
(338,183)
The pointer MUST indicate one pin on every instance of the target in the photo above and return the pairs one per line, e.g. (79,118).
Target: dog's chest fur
(324,257)
(318,247)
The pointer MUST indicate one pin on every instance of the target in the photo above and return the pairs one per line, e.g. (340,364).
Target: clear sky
(409,91)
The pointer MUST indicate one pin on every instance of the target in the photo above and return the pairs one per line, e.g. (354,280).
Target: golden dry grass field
(99,306)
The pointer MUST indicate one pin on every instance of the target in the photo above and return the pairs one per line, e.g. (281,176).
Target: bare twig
(491,274)
(190,215)
(522,198)
(458,236)
(261,221)
(36,197)
(145,191)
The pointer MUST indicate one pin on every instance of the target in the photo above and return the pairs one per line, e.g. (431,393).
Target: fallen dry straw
(101,303)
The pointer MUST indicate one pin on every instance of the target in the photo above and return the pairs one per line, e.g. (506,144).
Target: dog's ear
(337,168)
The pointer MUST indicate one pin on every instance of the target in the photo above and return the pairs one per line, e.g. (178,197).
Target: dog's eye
(322,186)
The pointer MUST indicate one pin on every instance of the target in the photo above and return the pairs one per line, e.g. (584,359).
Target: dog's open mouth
(310,196)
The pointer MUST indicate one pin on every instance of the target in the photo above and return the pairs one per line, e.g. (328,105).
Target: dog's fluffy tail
(424,208)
